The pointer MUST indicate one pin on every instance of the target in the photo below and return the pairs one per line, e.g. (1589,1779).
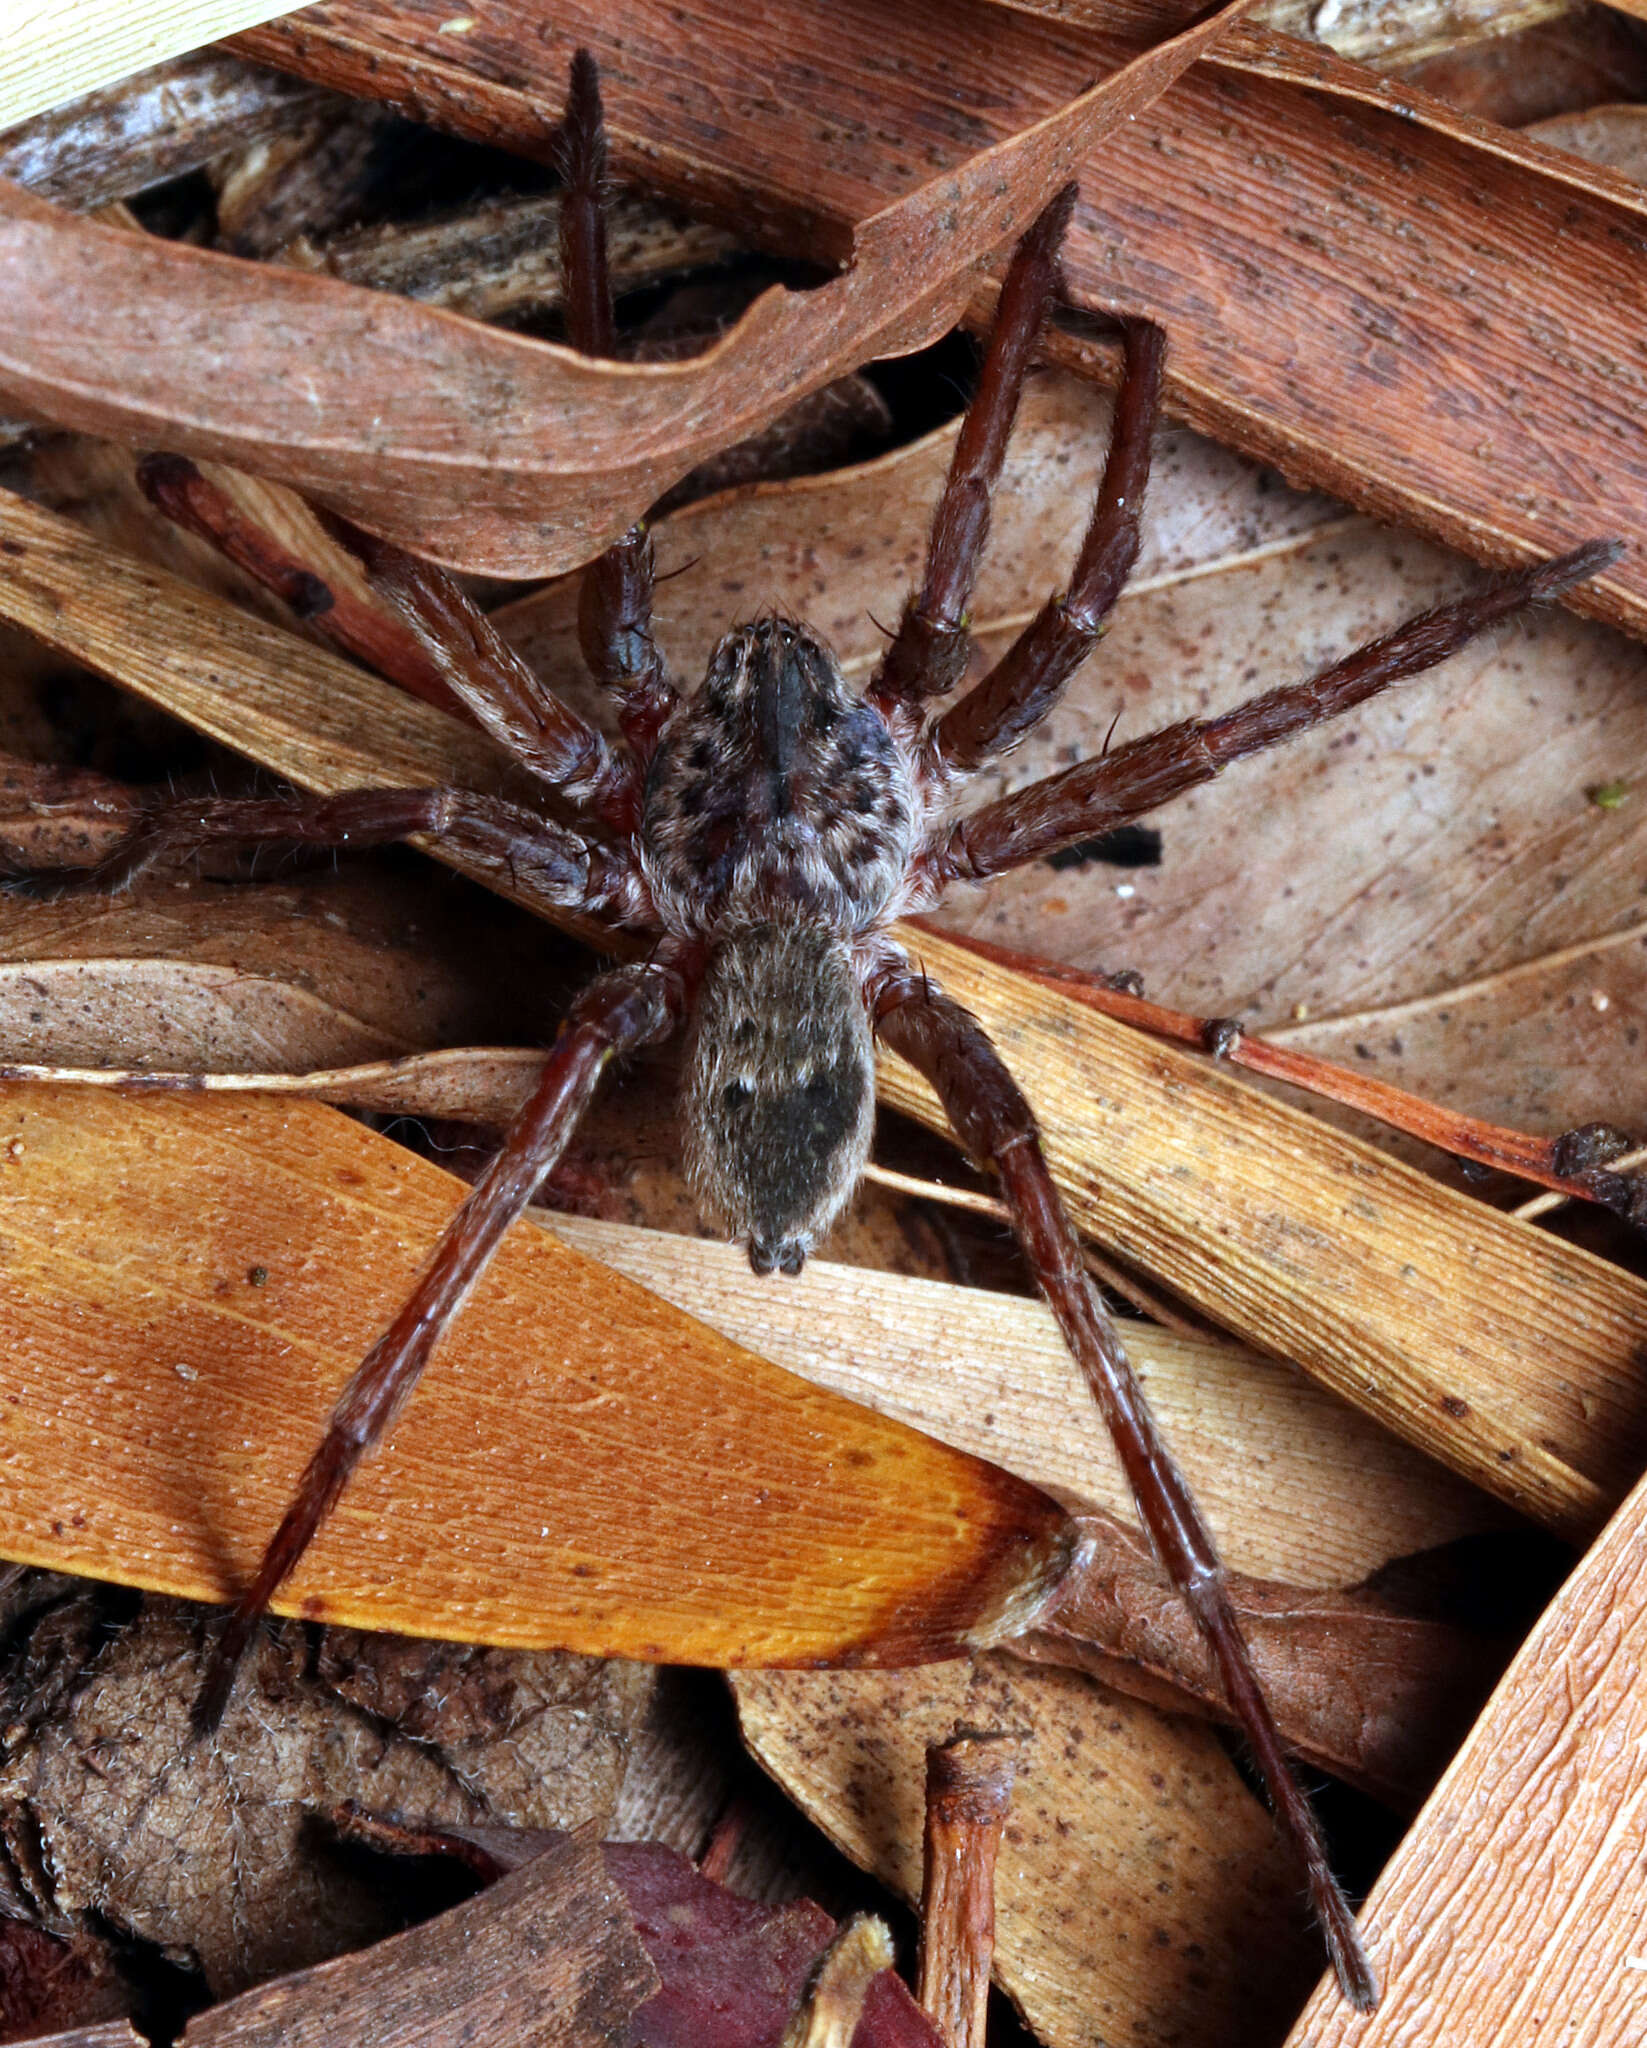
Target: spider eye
(743,1031)
(736,1093)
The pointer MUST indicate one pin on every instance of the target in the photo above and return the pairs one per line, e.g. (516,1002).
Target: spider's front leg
(615,597)
(928,654)
(623,1010)
(994,1122)
(1096,796)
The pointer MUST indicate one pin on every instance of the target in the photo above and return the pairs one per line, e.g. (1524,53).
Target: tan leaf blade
(1385,383)
(667,1495)
(1519,1892)
(475,447)
(1142,1894)
(1510,1355)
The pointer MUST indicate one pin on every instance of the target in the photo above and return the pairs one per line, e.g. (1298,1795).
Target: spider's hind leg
(995,1124)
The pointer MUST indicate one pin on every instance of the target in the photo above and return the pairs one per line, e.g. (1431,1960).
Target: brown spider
(767,831)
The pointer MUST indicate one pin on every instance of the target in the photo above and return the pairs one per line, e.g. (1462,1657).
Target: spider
(766,831)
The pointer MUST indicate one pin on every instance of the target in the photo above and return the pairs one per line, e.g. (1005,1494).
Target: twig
(968,1794)
(1124,1283)
(1466,1137)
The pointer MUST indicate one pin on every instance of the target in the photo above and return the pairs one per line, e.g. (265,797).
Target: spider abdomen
(779,1090)
(776,794)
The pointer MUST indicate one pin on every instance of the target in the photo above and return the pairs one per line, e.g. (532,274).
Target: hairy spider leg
(547,864)
(928,654)
(621,1011)
(997,1126)
(615,597)
(1096,796)
(174,486)
(496,687)
(1029,679)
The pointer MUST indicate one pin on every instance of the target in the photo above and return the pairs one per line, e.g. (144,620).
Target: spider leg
(1028,680)
(1095,796)
(928,655)
(494,685)
(542,860)
(173,485)
(622,1010)
(615,599)
(995,1124)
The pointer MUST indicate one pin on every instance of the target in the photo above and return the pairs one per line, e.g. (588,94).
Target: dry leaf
(229,1264)
(1516,1901)
(1510,1356)
(1382,384)
(842,550)
(1359,1684)
(493,452)
(1589,56)
(1295,1485)
(733,1970)
(1141,1894)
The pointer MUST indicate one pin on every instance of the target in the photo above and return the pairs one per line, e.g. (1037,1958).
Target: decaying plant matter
(766,831)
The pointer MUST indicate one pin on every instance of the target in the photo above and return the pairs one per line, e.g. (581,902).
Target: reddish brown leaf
(477,447)
(1476,386)
(731,1970)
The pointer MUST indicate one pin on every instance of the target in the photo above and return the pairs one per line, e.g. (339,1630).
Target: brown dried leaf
(548,1954)
(1142,1894)
(1511,1357)
(1589,56)
(1360,1685)
(1295,1485)
(842,550)
(1383,382)
(1477,848)
(113,1817)
(496,452)
(734,1971)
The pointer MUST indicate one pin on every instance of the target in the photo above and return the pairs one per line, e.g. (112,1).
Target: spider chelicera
(767,831)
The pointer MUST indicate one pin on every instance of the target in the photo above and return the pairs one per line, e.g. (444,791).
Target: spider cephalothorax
(776,794)
(765,833)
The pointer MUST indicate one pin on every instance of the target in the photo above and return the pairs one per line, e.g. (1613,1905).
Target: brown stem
(968,1795)
(1466,1137)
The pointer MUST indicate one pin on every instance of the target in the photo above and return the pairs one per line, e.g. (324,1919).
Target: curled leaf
(484,449)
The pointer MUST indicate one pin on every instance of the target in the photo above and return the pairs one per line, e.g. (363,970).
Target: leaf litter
(1179,956)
